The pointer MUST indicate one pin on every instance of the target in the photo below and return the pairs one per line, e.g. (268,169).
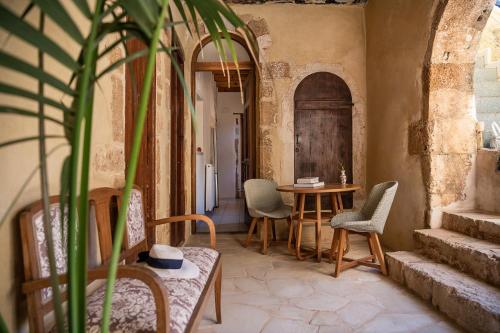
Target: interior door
(323,131)
(146,165)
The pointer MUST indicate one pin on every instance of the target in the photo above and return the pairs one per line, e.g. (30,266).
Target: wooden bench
(142,301)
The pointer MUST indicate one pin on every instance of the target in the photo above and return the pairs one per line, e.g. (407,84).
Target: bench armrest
(183,218)
(147,276)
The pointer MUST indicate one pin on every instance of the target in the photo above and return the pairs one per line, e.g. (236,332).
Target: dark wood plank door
(323,131)
(146,167)
(177,174)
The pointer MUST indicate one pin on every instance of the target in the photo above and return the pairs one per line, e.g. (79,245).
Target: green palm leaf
(11,90)
(60,16)
(17,111)
(28,138)
(14,63)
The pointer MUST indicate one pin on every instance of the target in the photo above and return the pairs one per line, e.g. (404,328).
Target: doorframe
(253,133)
(148,138)
(177,174)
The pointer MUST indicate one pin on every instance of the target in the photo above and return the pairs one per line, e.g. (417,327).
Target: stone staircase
(456,268)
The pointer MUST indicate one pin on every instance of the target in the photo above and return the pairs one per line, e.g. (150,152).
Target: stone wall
(295,41)
(289,53)
(395,56)
(488,180)
(448,119)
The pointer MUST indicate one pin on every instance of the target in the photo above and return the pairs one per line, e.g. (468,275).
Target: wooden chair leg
(298,239)
(335,242)
(250,231)
(264,235)
(273,226)
(340,251)
(291,229)
(218,295)
(370,246)
(378,252)
(347,242)
(318,227)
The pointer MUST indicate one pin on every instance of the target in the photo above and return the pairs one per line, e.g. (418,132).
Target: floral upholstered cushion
(60,245)
(133,303)
(136,230)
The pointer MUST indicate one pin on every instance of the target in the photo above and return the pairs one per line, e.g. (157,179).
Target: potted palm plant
(126,19)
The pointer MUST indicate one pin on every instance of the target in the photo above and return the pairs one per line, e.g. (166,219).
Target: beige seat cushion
(133,302)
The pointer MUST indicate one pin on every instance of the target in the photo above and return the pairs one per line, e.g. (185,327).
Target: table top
(328,188)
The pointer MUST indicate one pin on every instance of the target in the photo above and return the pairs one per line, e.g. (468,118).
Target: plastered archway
(448,129)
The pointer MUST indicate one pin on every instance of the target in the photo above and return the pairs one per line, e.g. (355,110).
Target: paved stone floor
(278,294)
(229,216)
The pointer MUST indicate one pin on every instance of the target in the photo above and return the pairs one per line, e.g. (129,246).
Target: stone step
(473,304)
(477,224)
(477,257)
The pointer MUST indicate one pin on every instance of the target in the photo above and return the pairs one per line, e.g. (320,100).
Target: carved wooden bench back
(35,253)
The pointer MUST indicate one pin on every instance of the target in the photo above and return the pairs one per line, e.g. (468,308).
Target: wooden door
(177,177)
(248,131)
(144,177)
(323,131)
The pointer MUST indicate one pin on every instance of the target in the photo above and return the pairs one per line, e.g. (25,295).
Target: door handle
(297,143)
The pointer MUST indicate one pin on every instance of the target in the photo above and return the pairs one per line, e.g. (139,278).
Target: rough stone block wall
(450,124)
(108,148)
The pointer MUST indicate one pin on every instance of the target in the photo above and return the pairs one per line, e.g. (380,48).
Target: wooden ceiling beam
(216,66)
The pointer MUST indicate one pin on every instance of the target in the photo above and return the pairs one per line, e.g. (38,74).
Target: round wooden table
(334,190)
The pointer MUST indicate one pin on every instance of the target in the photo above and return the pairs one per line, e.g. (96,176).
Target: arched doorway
(449,148)
(224,137)
(323,130)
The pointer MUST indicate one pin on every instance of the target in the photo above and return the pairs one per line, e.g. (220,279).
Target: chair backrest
(135,240)
(36,259)
(378,204)
(106,202)
(261,194)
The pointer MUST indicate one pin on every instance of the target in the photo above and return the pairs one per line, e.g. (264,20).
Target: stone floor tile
(393,323)
(339,328)
(320,302)
(277,293)
(289,288)
(250,285)
(357,313)
(327,318)
(242,319)
(440,327)
(254,299)
(292,312)
(277,325)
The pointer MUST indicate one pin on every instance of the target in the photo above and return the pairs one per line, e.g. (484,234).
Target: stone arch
(448,127)
(358,118)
